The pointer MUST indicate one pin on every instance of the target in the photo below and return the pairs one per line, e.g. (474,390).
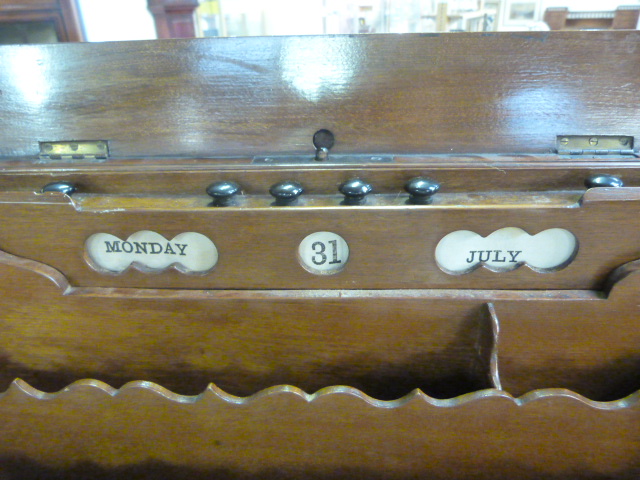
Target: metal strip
(330,160)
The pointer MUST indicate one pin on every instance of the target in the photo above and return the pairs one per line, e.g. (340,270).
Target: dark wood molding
(63,14)
(174,18)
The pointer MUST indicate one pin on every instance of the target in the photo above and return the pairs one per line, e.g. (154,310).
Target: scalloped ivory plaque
(188,252)
(506,249)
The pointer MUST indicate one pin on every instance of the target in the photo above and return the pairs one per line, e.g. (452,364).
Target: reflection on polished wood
(449,94)
(409,372)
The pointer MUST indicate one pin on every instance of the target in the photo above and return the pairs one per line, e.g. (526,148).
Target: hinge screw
(564,141)
(593,141)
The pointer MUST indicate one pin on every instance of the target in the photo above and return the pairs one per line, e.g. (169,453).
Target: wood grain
(478,113)
(457,93)
(386,347)
(106,432)
(392,244)
(384,342)
(457,174)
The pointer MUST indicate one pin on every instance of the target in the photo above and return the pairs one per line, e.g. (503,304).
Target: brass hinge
(595,145)
(82,150)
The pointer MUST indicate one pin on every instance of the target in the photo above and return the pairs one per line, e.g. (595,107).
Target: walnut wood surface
(385,342)
(456,174)
(392,244)
(385,346)
(284,433)
(390,323)
(433,93)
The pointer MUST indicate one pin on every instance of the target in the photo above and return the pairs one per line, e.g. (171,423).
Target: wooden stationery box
(405,256)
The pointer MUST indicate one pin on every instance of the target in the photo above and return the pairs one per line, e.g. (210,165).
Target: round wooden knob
(60,187)
(286,193)
(355,191)
(421,190)
(603,181)
(223,193)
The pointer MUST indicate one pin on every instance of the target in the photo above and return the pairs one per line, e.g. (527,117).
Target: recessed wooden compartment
(584,342)
(242,341)
(591,348)
(385,343)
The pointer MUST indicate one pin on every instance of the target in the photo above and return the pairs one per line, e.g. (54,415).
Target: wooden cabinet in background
(623,18)
(174,18)
(39,21)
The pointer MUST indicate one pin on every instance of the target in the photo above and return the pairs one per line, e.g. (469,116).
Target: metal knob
(223,193)
(60,187)
(286,193)
(421,190)
(603,181)
(355,191)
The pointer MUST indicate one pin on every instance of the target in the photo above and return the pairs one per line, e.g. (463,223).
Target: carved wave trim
(57,277)
(20,388)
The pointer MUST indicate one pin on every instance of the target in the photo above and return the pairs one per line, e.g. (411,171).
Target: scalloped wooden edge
(58,278)
(55,276)
(20,387)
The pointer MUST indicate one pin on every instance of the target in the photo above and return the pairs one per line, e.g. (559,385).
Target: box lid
(379,94)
